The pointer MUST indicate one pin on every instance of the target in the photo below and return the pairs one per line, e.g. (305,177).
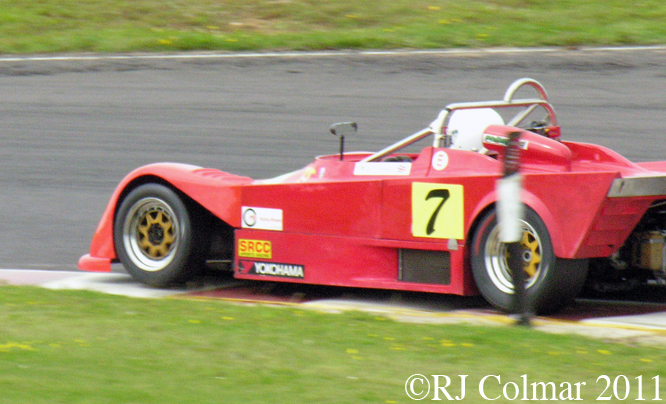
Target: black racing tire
(551,283)
(155,236)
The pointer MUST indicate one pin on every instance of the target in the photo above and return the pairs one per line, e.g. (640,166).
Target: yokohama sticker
(261,218)
(272,269)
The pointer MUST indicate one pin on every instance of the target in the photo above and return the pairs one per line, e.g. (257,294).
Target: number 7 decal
(437,210)
(436,193)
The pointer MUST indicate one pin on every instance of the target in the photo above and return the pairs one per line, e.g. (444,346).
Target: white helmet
(466,127)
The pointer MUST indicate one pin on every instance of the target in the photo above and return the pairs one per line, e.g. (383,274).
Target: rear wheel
(551,283)
(155,237)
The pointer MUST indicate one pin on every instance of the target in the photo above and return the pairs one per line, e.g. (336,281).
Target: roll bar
(438,126)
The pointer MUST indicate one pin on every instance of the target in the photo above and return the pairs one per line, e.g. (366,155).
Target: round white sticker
(440,160)
(250,217)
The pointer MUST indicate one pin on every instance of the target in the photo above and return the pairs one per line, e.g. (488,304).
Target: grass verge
(84,347)
(233,25)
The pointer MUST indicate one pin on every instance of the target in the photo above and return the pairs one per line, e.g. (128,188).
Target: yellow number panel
(437,210)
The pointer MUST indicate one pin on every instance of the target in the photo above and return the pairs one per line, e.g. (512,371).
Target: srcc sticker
(255,249)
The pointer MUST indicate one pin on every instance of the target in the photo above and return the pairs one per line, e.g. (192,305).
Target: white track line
(266,55)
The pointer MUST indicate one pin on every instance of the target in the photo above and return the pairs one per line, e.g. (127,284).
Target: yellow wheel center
(155,234)
(531,253)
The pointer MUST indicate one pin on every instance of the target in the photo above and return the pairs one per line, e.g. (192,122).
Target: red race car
(418,215)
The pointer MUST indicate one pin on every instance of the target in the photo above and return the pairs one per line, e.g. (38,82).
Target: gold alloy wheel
(496,255)
(155,233)
(150,234)
(531,250)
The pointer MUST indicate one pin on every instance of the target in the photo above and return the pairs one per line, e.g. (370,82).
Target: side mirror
(343,129)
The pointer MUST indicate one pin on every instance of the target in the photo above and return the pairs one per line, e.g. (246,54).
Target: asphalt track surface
(70,129)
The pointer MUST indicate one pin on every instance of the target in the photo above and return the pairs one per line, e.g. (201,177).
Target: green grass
(84,347)
(153,25)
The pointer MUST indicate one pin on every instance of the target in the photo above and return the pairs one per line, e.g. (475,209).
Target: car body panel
(359,220)
(215,190)
(332,210)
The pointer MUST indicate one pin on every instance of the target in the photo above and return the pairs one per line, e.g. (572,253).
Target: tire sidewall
(176,270)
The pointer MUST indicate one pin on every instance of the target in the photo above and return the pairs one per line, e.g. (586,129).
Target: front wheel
(154,236)
(551,283)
